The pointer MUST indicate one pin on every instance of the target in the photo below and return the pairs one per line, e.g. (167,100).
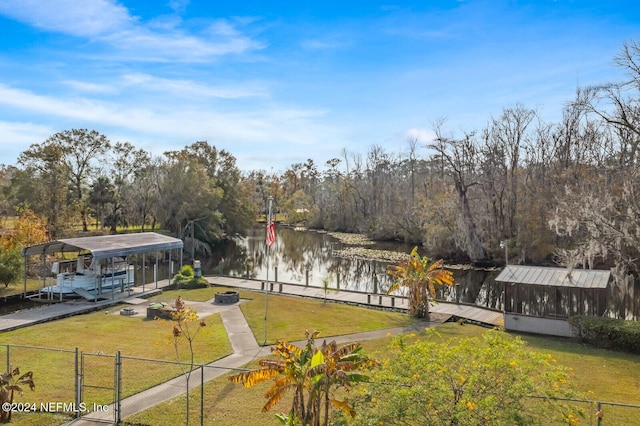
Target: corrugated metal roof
(107,246)
(555,277)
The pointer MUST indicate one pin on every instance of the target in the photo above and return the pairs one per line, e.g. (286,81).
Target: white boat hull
(88,281)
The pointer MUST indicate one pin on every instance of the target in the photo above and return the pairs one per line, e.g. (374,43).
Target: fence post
(276,269)
(599,413)
(78,384)
(8,360)
(118,386)
(201,394)
(81,376)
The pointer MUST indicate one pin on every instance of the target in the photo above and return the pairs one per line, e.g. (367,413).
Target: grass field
(603,375)
(103,332)
(289,317)
(610,376)
(100,335)
(18,288)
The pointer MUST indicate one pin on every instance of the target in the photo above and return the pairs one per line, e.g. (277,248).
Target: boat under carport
(103,250)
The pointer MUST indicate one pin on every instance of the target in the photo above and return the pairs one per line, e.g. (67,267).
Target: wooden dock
(473,314)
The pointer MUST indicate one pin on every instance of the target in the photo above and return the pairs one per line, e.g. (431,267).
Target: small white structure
(540,299)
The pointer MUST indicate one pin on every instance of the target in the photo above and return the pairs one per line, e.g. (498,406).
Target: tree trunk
(472,242)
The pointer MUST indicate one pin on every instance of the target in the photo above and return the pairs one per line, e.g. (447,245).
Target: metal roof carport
(106,246)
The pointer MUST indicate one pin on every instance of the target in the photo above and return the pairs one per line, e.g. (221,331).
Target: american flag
(271,233)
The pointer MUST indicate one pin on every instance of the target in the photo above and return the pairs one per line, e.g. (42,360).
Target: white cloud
(420,135)
(175,121)
(17,137)
(94,18)
(87,87)
(178,6)
(190,89)
(321,44)
(107,22)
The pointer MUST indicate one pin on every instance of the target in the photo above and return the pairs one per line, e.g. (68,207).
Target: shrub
(187,271)
(186,279)
(485,380)
(607,333)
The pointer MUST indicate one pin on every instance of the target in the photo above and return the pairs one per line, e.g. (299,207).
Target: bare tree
(461,159)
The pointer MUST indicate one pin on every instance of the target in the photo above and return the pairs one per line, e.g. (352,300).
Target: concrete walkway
(58,310)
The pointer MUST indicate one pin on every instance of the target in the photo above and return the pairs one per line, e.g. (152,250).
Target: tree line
(562,192)
(78,176)
(553,192)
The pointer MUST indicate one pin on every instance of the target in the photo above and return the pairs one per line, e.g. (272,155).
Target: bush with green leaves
(10,265)
(186,279)
(608,333)
(486,380)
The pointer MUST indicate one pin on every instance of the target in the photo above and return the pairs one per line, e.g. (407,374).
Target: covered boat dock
(106,247)
(540,299)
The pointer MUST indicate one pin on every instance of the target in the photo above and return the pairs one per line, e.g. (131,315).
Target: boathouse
(540,299)
(103,250)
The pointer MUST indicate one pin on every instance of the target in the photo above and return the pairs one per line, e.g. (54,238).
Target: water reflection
(301,257)
(305,257)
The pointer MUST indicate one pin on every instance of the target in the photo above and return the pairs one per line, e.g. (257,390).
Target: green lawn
(104,332)
(100,335)
(600,374)
(610,376)
(288,317)
(18,287)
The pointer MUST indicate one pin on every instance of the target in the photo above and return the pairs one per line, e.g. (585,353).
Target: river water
(307,257)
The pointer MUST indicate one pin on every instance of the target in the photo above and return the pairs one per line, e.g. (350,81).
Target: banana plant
(10,383)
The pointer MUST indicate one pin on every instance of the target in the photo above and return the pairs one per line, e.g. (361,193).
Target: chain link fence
(109,388)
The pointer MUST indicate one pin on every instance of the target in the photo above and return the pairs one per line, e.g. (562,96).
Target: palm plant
(420,276)
(290,372)
(334,366)
(311,373)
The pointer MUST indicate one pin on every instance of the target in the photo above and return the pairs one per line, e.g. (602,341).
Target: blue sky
(278,82)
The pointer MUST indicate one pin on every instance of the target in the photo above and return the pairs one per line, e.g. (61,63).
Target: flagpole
(266,289)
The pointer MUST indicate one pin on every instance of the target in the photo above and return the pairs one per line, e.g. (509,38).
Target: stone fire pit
(227,297)
(159,310)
